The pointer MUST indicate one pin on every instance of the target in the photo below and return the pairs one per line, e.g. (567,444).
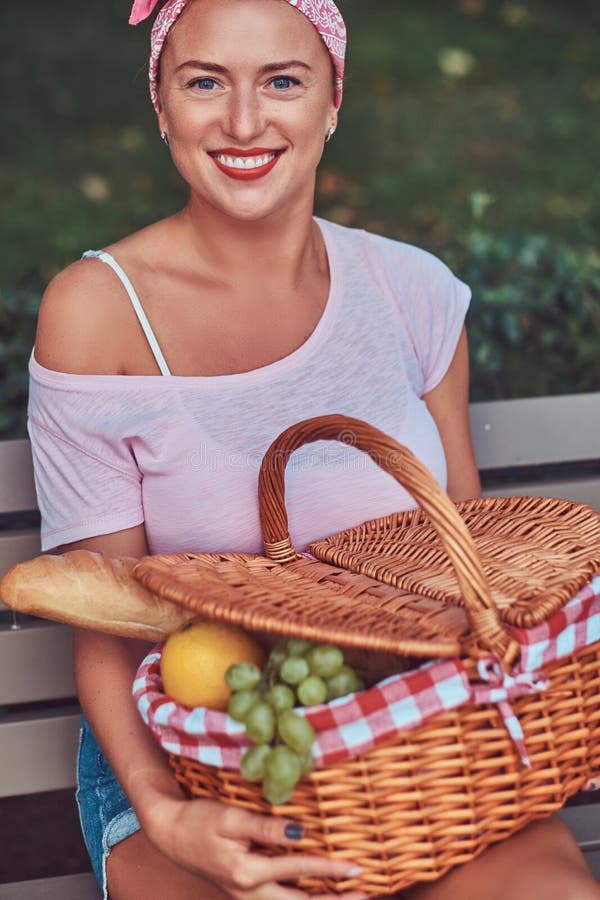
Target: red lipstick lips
(236,163)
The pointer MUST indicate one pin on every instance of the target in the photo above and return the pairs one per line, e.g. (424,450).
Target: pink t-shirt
(182,454)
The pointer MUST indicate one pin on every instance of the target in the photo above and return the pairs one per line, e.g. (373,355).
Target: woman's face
(246,99)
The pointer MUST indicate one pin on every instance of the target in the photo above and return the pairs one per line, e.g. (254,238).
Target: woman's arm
(448,403)
(105,667)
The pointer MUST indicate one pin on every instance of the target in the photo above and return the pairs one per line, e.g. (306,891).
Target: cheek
(309,122)
(188,119)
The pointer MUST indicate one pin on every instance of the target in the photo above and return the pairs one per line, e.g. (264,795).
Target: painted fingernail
(294,832)
(354,872)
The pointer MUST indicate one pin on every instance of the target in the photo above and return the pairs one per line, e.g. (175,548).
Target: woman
(147,439)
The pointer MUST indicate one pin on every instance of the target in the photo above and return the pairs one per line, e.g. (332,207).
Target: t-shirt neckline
(271,370)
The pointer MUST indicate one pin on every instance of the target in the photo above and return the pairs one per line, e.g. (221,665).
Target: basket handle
(402,464)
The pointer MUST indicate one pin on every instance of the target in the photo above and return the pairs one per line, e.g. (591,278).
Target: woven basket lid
(306,598)
(536,553)
(363,592)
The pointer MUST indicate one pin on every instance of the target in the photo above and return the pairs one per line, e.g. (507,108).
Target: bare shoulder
(79,309)
(86,323)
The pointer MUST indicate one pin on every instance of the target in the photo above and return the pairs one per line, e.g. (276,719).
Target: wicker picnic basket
(445,581)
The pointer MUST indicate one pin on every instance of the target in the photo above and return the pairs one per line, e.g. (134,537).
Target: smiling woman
(250,102)
(164,366)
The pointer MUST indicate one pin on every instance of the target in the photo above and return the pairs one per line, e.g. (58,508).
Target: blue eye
(205,84)
(283,82)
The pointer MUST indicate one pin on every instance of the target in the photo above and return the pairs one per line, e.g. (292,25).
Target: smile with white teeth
(245,162)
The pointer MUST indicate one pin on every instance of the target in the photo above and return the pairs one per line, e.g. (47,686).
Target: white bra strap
(139,311)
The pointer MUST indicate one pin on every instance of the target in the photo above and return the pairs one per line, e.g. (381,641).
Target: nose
(245,116)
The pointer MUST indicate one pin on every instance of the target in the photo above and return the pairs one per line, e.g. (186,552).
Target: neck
(278,247)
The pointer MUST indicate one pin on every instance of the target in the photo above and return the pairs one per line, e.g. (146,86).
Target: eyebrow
(271,67)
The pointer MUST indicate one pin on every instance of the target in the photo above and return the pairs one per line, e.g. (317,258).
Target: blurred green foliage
(469,127)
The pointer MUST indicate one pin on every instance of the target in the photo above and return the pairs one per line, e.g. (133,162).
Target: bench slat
(18,546)
(536,431)
(578,490)
(39,656)
(39,753)
(583,822)
(17,491)
(66,887)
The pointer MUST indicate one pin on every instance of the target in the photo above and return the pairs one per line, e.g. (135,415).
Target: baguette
(92,591)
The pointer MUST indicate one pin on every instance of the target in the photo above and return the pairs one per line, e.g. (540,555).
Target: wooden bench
(539,447)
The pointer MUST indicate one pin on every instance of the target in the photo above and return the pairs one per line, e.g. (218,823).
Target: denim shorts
(104,811)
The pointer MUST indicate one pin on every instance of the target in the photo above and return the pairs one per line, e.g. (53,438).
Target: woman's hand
(214,840)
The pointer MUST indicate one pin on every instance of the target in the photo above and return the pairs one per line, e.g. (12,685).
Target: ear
(332,122)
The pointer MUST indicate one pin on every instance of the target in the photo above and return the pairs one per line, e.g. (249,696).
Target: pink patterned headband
(323,14)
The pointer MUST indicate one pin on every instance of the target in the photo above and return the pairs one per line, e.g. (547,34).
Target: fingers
(240,824)
(258,868)
(255,876)
(214,840)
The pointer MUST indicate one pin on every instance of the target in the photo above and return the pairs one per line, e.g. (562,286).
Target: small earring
(164,137)
(330,134)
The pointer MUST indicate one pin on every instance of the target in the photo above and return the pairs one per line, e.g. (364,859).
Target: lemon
(195,658)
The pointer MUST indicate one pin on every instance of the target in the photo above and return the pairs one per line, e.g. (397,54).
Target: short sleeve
(87,483)
(437,332)
(432,301)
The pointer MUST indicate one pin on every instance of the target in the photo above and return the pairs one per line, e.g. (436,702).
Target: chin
(256,209)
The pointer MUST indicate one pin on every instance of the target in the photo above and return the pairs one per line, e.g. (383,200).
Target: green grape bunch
(297,673)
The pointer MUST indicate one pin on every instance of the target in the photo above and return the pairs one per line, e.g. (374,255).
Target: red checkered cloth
(577,625)
(356,723)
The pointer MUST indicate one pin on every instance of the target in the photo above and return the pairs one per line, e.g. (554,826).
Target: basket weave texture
(438,795)
(536,553)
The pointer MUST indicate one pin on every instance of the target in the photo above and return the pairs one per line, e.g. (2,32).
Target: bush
(535,316)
